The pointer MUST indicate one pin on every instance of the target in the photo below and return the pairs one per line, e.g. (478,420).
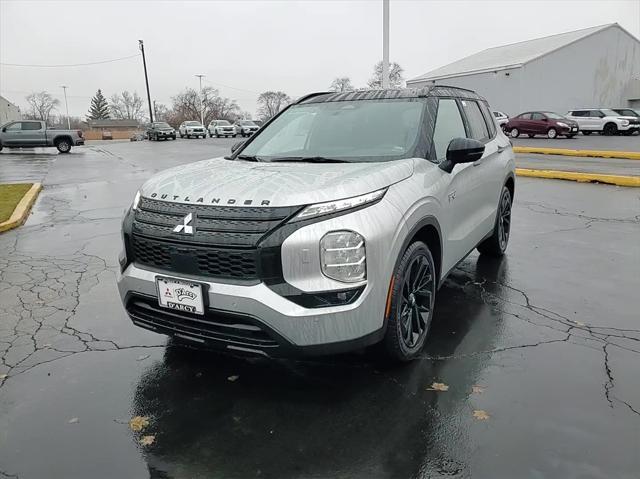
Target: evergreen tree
(99,109)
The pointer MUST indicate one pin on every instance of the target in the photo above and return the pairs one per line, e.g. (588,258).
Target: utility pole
(385,43)
(201,107)
(146,78)
(66,105)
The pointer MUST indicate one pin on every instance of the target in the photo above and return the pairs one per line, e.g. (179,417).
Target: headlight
(624,122)
(343,256)
(136,201)
(563,125)
(333,206)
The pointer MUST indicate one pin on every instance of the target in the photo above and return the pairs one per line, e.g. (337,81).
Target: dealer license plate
(180,295)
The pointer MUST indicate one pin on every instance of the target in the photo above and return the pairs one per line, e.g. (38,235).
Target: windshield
(608,112)
(247,123)
(364,130)
(161,125)
(192,123)
(554,116)
(223,122)
(626,112)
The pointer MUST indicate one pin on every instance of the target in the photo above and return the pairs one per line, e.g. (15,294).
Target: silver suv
(330,229)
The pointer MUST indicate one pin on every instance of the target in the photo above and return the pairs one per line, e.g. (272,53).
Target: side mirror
(236,146)
(4,129)
(462,150)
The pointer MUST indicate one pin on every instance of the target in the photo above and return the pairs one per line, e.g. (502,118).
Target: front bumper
(225,132)
(570,130)
(195,132)
(79,142)
(165,134)
(630,127)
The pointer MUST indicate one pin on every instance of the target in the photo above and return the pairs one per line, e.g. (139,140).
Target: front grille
(225,329)
(224,243)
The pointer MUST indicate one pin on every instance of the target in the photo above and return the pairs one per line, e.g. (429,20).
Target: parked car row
(605,121)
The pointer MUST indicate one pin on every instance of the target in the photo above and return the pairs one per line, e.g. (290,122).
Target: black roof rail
(312,95)
(436,85)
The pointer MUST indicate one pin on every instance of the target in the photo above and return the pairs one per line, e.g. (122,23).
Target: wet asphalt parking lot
(546,342)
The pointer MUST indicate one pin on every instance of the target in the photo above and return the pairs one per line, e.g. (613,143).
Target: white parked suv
(604,121)
(330,229)
(501,118)
(192,128)
(220,128)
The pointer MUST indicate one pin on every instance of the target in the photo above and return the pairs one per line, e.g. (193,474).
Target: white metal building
(8,111)
(593,67)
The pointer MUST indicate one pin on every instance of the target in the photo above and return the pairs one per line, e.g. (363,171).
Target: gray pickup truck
(33,133)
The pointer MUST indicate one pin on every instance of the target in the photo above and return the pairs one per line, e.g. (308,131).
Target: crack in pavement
(544,209)
(39,298)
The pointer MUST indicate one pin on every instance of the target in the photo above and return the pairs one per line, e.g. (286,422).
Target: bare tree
(42,104)
(341,84)
(160,112)
(396,80)
(126,106)
(186,106)
(60,121)
(271,102)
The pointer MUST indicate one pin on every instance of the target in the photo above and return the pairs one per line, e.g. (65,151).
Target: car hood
(242,183)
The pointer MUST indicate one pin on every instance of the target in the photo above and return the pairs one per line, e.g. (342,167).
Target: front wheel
(610,129)
(552,133)
(514,133)
(496,244)
(412,298)
(64,146)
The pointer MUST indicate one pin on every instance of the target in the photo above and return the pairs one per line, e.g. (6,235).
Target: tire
(0,147)
(210,135)
(181,135)
(235,136)
(514,133)
(610,129)
(552,133)
(497,243)
(217,135)
(570,136)
(412,299)
(586,132)
(530,135)
(63,145)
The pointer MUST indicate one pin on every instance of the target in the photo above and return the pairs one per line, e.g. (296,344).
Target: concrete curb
(625,155)
(20,213)
(581,177)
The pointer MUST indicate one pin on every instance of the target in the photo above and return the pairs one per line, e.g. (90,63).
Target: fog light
(343,256)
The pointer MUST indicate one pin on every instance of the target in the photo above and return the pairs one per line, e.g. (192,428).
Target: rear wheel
(63,145)
(412,299)
(552,133)
(514,133)
(497,243)
(610,129)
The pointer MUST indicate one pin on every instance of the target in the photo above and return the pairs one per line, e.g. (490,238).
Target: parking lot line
(618,180)
(627,155)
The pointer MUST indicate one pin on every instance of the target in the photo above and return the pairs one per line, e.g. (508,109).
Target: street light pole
(146,78)
(385,43)
(201,106)
(66,105)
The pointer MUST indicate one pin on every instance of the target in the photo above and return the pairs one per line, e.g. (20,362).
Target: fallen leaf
(438,387)
(232,378)
(4,376)
(143,357)
(477,389)
(138,423)
(73,420)
(481,415)
(147,440)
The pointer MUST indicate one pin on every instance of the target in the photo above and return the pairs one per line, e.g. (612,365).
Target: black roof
(428,91)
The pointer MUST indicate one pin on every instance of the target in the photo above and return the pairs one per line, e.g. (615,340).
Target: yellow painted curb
(22,209)
(580,177)
(625,155)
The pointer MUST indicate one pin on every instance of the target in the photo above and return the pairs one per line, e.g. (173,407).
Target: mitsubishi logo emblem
(185,226)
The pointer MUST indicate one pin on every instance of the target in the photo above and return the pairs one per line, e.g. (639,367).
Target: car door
(595,120)
(33,133)
(12,134)
(538,123)
(524,122)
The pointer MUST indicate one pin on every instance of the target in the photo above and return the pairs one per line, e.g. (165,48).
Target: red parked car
(541,123)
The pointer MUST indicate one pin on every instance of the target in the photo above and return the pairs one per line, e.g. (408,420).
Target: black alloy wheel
(497,243)
(412,301)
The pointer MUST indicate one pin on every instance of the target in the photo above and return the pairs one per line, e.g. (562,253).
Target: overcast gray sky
(246,47)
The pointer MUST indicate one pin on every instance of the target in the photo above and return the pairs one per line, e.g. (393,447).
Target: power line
(69,65)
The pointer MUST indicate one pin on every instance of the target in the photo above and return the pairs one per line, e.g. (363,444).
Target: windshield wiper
(248,158)
(309,159)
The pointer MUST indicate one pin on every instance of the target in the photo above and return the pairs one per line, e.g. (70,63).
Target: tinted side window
(449,125)
(30,125)
(596,114)
(476,120)
(14,127)
(488,119)
(537,116)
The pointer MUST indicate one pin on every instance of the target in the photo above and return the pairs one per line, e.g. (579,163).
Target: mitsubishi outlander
(330,229)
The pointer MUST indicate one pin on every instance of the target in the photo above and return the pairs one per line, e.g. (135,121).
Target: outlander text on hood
(330,229)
